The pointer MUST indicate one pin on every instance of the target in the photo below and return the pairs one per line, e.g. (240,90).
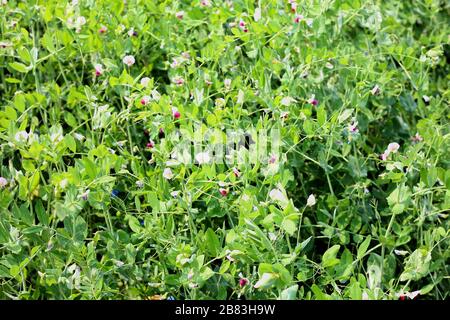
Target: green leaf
(363,247)
(14,271)
(212,242)
(70,143)
(321,115)
(289,293)
(416,265)
(329,257)
(19,67)
(134,224)
(289,226)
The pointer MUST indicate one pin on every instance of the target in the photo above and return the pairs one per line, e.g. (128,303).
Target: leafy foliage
(89,209)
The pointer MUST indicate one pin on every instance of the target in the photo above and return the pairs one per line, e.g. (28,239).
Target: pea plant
(218,149)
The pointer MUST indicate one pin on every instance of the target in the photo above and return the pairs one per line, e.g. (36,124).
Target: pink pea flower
(223,191)
(98,69)
(102,29)
(236,172)
(179,81)
(205,3)
(294,7)
(186,55)
(243,282)
(174,63)
(298,18)
(416,138)
(242,26)
(179,15)
(175,113)
(272,159)
(353,127)
(313,101)
(145,100)
(393,147)
(150,144)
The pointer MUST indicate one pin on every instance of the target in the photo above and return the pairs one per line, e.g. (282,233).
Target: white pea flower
(202,158)
(129,60)
(167,174)
(311,200)
(3,182)
(21,136)
(257,14)
(145,81)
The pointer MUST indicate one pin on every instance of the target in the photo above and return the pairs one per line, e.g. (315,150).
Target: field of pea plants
(214,149)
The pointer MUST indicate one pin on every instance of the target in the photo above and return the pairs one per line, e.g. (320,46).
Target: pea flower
(205,3)
(174,63)
(5,44)
(257,14)
(311,201)
(179,81)
(220,102)
(277,195)
(102,29)
(202,158)
(393,147)
(145,81)
(161,133)
(298,18)
(85,195)
(175,113)
(140,184)
(81,21)
(129,60)
(286,101)
(98,69)
(417,138)
(272,159)
(242,26)
(179,15)
(145,100)
(243,281)
(131,32)
(21,136)
(375,90)
(3,182)
(236,172)
(294,7)
(186,55)
(353,127)
(150,144)
(313,100)
(167,174)
(284,114)
(227,83)
(223,191)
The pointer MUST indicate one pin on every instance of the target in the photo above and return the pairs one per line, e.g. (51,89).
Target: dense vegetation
(96,97)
